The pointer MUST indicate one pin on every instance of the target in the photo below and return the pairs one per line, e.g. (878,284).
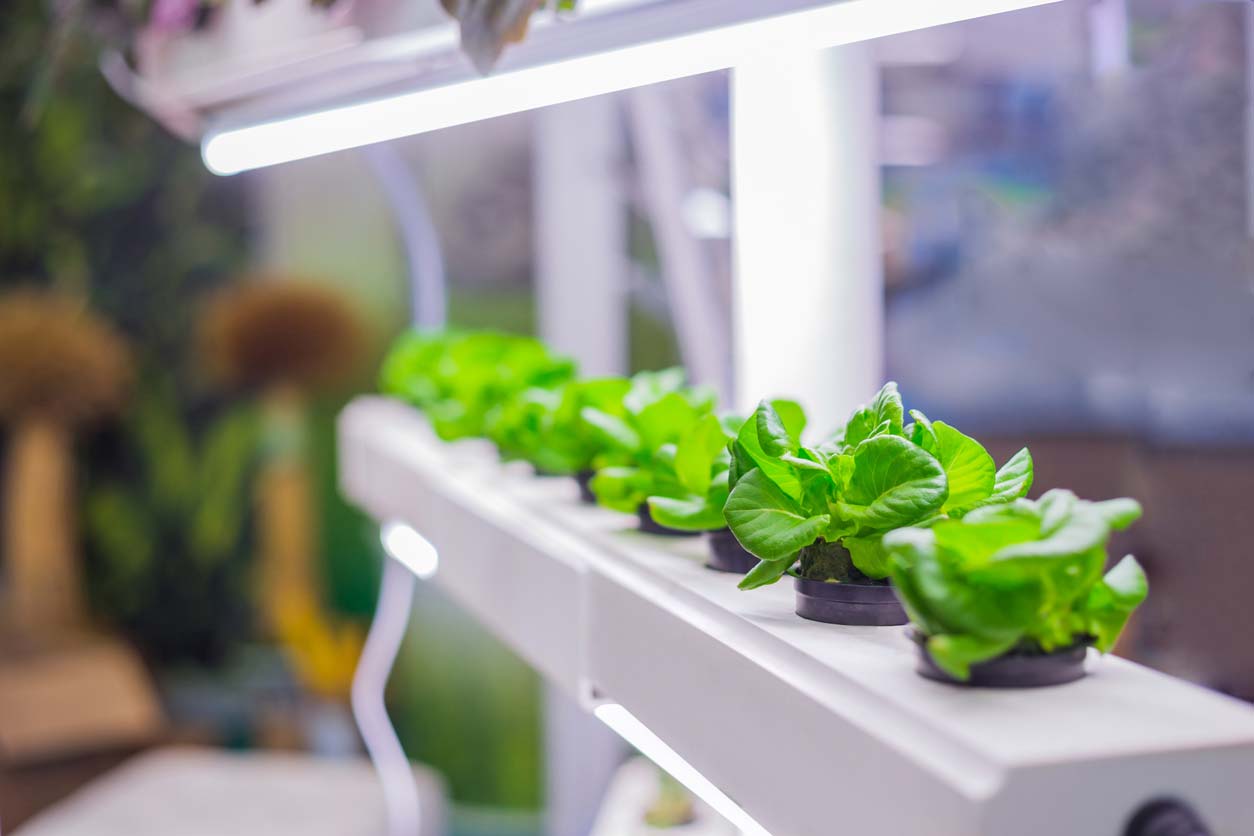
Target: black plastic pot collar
(1013,670)
(726,553)
(649,526)
(861,604)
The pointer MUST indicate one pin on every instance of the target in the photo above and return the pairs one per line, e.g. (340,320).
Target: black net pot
(726,553)
(868,604)
(584,479)
(1016,669)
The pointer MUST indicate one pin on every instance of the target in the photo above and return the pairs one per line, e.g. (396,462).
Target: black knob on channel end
(1166,817)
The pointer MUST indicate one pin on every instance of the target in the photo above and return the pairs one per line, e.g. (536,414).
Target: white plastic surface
(185,791)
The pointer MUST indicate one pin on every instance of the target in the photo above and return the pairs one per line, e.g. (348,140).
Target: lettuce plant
(702,469)
(830,505)
(1023,576)
(640,449)
(547,427)
(411,368)
(693,487)
(459,379)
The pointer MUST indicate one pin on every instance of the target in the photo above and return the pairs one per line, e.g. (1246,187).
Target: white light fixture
(625,724)
(409,547)
(232,149)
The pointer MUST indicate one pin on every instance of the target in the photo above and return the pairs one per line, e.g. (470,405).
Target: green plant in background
(1023,576)
(703,459)
(96,199)
(547,427)
(468,706)
(410,371)
(169,543)
(672,807)
(98,202)
(831,504)
(460,379)
(640,445)
(692,487)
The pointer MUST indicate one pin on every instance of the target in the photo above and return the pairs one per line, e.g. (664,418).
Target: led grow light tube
(625,724)
(231,149)
(410,548)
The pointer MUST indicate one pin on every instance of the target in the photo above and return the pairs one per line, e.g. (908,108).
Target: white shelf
(337,69)
(812,728)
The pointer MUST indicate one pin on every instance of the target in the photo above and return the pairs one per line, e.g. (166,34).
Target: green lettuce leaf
(969,468)
(767,521)
(1019,573)
(894,483)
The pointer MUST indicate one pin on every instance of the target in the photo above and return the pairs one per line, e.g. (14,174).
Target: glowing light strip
(624,723)
(410,548)
(232,150)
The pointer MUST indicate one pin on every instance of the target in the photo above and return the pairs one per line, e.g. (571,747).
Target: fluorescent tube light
(232,149)
(410,548)
(625,724)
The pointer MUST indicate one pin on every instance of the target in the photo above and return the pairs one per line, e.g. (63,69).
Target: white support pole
(581,299)
(808,287)
(700,320)
(1109,50)
(581,757)
(581,233)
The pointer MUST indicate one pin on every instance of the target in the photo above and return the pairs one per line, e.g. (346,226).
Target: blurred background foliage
(95,197)
(98,202)
(168,527)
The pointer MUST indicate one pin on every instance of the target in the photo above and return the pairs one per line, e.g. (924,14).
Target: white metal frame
(387,88)
(808,291)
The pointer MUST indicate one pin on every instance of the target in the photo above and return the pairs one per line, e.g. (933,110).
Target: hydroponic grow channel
(784,715)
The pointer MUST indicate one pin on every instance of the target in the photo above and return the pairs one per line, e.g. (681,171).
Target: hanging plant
(487,26)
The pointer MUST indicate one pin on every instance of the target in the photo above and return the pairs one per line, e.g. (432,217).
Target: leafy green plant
(547,428)
(692,488)
(168,546)
(638,459)
(410,371)
(461,378)
(702,468)
(830,505)
(1023,576)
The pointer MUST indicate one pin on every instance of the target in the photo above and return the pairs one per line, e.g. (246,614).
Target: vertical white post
(699,319)
(1109,51)
(808,287)
(581,233)
(581,299)
(581,757)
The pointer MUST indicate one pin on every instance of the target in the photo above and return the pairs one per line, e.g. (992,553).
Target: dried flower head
(58,360)
(270,330)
